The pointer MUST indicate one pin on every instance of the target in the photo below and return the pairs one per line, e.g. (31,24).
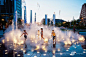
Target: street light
(82,18)
(2,19)
(83,21)
(64,22)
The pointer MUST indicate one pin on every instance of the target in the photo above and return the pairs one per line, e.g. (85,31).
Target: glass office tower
(7,9)
(30,16)
(25,19)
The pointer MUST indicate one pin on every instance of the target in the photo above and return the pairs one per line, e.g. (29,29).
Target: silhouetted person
(25,34)
(74,29)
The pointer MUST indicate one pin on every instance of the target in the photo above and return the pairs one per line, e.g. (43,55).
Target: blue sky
(68,9)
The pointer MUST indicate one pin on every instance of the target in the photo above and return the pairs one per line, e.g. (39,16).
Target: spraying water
(35,42)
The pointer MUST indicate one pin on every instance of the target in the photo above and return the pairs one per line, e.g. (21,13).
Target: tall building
(7,9)
(45,19)
(25,17)
(35,18)
(83,11)
(54,19)
(19,8)
(30,16)
(83,14)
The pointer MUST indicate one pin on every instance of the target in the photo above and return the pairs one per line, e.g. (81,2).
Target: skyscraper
(25,18)
(45,19)
(30,16)
(83,11)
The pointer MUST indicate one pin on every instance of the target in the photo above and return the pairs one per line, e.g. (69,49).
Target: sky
(67,9)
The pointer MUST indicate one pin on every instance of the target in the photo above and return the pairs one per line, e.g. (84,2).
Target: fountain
(64,42)
(68,41)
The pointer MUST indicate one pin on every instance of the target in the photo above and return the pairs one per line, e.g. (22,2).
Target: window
(0,2)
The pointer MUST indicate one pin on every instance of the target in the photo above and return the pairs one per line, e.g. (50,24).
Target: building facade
(25,17)
(83,11)
(83,14)
(19,8)
(7,9)
(50,22)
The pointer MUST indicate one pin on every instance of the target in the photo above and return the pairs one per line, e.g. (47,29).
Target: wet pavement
(75,50)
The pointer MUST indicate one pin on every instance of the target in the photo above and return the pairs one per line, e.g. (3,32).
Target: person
(25,35)
(54,38)
(38,33)
(42,33)
(74,29)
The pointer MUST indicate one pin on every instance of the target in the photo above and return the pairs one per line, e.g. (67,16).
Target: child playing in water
(25,34)
(54,41)
(38,33)
(42,33)
(54,38)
